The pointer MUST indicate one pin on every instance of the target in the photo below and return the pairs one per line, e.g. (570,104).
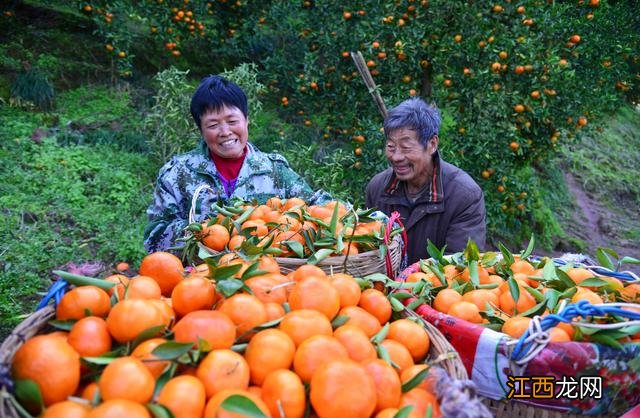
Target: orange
(342,388)
(409,373)
(305,323)
(314,352)
(522,266)
(274,311)
(201,270)
(236,241)
(421,400)
(631,292)
(483,275)
(428,277)
(126,378)
(411,335)
(244,310)
(165,268)
(315,293)
(184,396)
(193,294)
(82,299)
(361,319)
(516,326)
(307,270)
(568,328)
(257,226)
(214,405)
(223,369)
(465,310)
(399,354)
(66,409)
(283,390)
(144,352)
(387,413)
(268,350)
(266,289)
(268,263)
(215,236)
(585,294)
(451,272)
(214,329)
(90,337)
(51,363)
(128,318)
(292,202)
(557,335)
(256,390)
(387,382)
(140,287)
(347,287)
(121,281)
(481,298)
(118,408)
(274,203)
(579,274)
(376,303)
(445,298)
(90,391)
(510,307)
(356,342)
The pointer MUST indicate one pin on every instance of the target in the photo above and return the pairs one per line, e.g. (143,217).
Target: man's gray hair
(414,114)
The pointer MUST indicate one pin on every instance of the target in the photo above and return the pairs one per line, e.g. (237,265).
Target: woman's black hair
(214,93)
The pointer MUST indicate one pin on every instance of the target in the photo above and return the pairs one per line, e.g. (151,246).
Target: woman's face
(226,131)
(410,160)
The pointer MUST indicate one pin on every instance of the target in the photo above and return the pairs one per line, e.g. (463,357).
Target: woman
(225,161)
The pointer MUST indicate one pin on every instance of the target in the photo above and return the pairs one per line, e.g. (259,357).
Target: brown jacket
(449,212)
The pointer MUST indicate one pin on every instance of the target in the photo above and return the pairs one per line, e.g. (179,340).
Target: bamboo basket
(29,327)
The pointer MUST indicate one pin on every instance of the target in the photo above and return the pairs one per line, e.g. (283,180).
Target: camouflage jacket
(262,175)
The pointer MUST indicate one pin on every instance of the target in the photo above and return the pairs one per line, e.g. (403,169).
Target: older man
(437,200)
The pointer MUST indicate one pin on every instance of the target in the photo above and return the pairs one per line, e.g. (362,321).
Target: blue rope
(580,308)
(56,291)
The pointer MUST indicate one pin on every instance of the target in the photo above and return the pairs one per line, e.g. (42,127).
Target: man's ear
(433,144)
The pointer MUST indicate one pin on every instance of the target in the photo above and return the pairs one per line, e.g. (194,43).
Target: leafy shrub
(168,126)
(33,87)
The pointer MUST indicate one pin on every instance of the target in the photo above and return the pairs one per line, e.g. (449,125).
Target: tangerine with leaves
(305,323)
(342,388)
(282,390)
(267,289)
(361,319)
(482,298)
(245,311)
(90,337)
(356,342)
(215,236)
(387,383)
(184,396)
(79,301)
(525,301)
(51,363)
(165,268)
(274,311)
(139,287)
(398,353)
(429,381)
(126,378)
(129,318)
(268,350)
(376,303)
(193,294)
(308,270)
(144,352)
(207,329)
(465,310)
(214,409)
(314,352)
(411,335)
(421,400)
(315,293)
(579,274)
(516,326)
(223,369)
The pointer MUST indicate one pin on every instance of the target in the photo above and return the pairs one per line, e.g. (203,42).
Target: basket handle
(394,218)
(194,201)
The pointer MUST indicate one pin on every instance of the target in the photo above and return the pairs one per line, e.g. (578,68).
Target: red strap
(394,218)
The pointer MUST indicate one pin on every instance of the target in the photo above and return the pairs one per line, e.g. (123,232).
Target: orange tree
(515,80)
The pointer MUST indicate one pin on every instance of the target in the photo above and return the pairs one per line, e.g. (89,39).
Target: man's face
(410,160)
(226,131)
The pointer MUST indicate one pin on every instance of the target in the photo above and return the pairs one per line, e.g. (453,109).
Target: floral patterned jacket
(262,176)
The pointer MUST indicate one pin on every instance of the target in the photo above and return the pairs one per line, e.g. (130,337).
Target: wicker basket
(32,325)
(507,409)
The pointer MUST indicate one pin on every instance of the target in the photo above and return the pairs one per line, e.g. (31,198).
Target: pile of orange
(493,300)
(283,224)
(169,338)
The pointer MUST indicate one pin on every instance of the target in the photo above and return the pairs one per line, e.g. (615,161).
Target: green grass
(61,204)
